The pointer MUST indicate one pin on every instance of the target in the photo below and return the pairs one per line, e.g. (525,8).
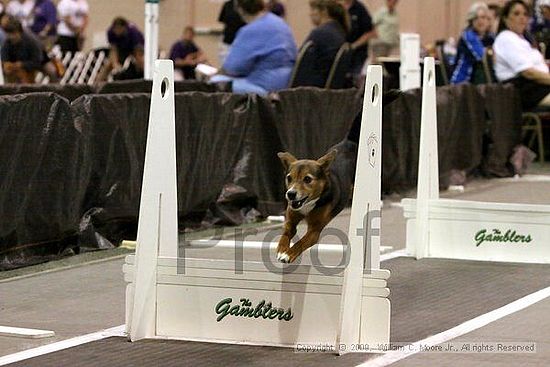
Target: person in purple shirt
(44,21)
(263,53)
(186,55)
(123,38)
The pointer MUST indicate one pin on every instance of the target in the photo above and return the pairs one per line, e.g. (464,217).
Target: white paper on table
(206,69)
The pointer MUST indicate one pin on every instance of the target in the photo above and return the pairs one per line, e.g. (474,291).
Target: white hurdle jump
(409,70)
(469,230)
(205,295)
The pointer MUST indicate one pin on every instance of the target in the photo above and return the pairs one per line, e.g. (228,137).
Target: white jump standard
(214,298)
(469,230)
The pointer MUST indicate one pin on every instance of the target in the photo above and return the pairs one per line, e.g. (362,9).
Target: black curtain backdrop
(70,172)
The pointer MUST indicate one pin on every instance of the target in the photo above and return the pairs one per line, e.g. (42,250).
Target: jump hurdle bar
(469,230)
(215,299)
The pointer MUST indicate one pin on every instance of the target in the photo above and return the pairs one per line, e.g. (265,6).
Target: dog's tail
(388,97)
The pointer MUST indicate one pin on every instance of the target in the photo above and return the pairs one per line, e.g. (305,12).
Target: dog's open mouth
(297,204)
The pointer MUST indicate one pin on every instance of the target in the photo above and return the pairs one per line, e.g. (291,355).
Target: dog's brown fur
(328,193)
(325,187)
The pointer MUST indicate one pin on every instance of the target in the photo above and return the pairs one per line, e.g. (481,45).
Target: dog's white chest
(308,207)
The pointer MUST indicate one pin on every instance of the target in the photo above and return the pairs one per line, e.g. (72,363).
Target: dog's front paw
(288,256)
(283,257)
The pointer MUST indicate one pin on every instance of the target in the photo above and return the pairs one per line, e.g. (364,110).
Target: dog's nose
(291,195)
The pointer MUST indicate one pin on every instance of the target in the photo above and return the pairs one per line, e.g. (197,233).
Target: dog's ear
(326,160)
(287,159)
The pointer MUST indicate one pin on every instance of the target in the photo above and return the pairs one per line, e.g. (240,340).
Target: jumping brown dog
(316,191)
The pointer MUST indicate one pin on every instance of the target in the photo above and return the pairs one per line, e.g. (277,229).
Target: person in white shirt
(21,9)
(517,60)
(73,15)
(386,22)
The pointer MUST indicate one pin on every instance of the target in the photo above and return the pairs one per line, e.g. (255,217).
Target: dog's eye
(288,178)
(307,180)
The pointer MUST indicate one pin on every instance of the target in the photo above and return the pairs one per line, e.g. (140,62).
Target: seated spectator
(232,22)
(540,25)
(21,54)
(51,66)
(44,22)
(136,67)
(276,7)
(263,54)
(22,10)
(386,23)
(471,46)
(186,55)
(518,61)
(73,20)
(123,39)
(332,24)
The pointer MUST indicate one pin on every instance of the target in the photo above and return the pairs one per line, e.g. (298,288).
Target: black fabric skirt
(531,93)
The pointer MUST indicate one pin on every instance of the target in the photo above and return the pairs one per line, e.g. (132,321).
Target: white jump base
(208,293)
(485,231)
(312,296)
(467,230)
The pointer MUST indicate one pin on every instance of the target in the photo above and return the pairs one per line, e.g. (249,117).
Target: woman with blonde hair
(472,44)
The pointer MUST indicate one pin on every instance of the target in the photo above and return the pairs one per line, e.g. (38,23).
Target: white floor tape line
(384,360)
(526,178)
(64,344)
(394,254)
(464,328)
(25,333)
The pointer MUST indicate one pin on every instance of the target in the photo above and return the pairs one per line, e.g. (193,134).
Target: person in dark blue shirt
(186,55)
(276,7)
(332,24)
(232,22)
(471,46)
(362,30)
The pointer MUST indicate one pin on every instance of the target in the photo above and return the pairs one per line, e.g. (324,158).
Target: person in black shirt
(361,32)
(332,23)
(22,55)
(276,7)
(232,23)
